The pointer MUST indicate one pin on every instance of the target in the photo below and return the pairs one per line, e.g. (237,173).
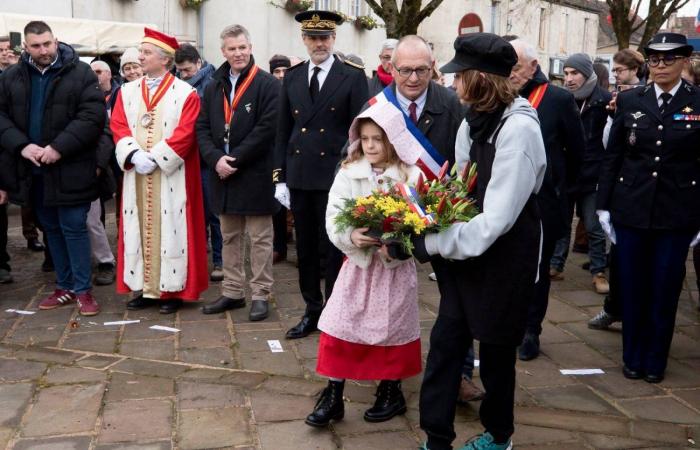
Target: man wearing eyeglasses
(648,202)
(318,101)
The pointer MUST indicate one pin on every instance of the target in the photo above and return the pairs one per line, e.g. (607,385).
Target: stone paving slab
(72,382)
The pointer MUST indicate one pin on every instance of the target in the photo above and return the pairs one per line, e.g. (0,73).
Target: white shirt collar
(325,65)
(420,102)
(673,91)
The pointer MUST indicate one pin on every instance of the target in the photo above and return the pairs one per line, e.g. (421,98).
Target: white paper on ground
(275,346)
(121,322)
(581,371)
(20,311)
(162,328)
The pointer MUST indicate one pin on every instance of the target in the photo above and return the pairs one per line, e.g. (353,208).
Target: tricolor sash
(430,159)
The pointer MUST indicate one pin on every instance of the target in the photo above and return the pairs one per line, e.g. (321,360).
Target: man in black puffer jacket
(52,114)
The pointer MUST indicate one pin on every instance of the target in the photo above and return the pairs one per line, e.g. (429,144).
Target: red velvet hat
(162,40)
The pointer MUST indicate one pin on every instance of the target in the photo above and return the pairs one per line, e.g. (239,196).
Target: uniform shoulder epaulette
(646,88)
(355,65)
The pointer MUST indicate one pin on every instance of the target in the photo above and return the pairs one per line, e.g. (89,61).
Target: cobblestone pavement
(68,382)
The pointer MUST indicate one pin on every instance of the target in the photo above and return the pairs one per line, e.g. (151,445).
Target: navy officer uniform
(317,105)
(649,189)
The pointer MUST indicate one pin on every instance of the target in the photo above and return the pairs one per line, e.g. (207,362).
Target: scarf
(384,77)
(483,124)
(586,90)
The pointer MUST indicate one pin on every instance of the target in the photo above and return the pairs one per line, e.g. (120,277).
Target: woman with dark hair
(603,75)
(490,264)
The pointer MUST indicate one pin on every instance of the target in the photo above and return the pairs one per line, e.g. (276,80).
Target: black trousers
(309,210)
(449,343)
(540,300)
(4,256)
(279,227)
(651,268)
(613,303)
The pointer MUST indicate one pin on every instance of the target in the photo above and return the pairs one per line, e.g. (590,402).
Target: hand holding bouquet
(388,216)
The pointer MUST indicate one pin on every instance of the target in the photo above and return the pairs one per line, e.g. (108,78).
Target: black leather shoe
(140,303)
(390,402)
(258,310)
(34,245)
(329,407)
(651,378)
(223,304)
(170,306)
(631,374)
(529,348)
(305,327)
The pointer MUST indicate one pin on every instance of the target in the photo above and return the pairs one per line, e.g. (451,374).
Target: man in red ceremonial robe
(162,249)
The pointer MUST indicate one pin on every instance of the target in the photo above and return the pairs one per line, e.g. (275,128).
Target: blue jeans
(596,237)
(212,223)
(66,231)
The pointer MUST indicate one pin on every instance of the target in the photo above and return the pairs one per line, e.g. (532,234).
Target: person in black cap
(649,202)
(279,65)
(491,262)
(318,102)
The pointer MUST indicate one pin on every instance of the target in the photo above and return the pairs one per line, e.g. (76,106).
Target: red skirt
(342,359)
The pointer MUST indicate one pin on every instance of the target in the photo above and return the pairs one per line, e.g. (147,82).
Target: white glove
(696,241)
(282,194)
(604,219)
(143,163)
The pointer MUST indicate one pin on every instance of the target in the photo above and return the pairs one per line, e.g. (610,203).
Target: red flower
(441,205)
(472,184)
(359,211)
(388,224)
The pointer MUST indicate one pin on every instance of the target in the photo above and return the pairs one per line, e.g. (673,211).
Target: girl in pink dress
(369,326)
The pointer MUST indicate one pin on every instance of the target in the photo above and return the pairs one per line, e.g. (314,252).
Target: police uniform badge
(687,110)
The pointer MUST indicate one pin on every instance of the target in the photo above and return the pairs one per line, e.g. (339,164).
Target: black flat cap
(485,52)
(669,43)
(318,23)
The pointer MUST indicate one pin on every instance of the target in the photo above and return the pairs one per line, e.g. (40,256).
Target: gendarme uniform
(317,106)
(650,185)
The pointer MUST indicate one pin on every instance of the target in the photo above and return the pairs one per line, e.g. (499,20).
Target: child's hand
(384,251)
(361,240)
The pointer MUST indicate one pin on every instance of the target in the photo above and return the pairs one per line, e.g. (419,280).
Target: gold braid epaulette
(276,175)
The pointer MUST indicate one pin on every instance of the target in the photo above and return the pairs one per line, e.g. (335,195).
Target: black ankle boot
(389,403)
(329,407)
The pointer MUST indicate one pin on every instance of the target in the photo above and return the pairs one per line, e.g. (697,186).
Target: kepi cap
(161,40)
(318,23)
(485,52)
(669,42)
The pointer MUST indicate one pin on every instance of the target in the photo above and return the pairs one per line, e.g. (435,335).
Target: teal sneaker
(485,442)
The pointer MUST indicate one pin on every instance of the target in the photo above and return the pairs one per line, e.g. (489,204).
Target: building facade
(556,28)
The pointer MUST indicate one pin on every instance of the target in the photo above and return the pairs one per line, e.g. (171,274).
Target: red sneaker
(87,306)
(59,297)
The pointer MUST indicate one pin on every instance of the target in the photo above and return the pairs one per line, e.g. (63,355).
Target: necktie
(412,112)
(313,85)
(665,100)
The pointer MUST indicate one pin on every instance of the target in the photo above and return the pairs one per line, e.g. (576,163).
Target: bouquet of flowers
(388,216)
(448,199)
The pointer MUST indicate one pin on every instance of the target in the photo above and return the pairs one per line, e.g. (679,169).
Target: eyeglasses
(421,72)
(668,60)
(385,58)
(619,70)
